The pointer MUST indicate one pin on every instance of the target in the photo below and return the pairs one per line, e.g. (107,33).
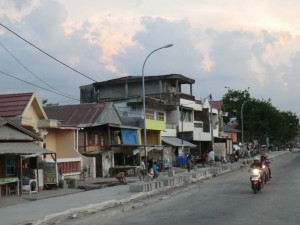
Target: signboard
(219,149)
(49,172)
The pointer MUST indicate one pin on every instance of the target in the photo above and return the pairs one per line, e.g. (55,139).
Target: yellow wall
(153,137)
(50,140)
(63,142)
(155,125)
(154,128)
(30,117)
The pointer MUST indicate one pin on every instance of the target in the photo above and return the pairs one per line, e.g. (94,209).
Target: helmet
(256,158)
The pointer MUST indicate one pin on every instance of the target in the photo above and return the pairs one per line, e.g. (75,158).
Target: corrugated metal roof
(74,115)
(218,105)
(134,79)
(21,148)
(230,129)
(177,142)
(31,136)
(12,105)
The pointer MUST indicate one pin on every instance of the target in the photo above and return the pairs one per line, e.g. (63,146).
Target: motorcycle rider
(264,159)
(256,163)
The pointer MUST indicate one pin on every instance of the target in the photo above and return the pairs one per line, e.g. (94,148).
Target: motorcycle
(265,172)
(223,159)
(256,179)
(233,157)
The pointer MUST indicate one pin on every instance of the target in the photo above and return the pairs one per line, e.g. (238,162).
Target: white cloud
(251,44)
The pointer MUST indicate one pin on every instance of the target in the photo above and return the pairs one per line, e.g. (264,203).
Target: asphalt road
(227,199)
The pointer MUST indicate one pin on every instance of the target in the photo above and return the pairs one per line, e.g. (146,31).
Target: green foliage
(45,103)
(261,120)
(233,101)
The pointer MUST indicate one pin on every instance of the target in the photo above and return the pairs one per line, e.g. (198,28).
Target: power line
(46,53)
(117,91)
(32,72)
(38,86)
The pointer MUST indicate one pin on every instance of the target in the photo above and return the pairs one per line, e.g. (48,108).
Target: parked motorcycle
(256,179)
(223,159)
(233,157)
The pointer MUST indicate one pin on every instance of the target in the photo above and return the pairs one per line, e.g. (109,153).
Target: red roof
(218,105)
(75,115)
(12,105)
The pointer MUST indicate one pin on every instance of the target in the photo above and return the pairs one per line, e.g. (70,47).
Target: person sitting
(121,177)
(256,163)
(151,173)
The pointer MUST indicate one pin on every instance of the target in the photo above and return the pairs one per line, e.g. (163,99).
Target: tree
(261,120)
(233,101)
(45,103)
(291,126)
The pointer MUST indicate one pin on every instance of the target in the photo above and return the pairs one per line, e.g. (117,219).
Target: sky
(220,44)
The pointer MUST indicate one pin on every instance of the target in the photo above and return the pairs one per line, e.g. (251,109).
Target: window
(10,165)
(150,114)
(69,167)
(186,115)
(160,116)
(198,125)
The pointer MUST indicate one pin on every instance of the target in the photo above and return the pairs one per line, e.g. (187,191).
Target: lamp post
(211,123)
(144,101)
(242,122)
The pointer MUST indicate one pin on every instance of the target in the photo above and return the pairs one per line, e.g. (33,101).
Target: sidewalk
(49,203)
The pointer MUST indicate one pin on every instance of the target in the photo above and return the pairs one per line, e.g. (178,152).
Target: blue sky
(238,44)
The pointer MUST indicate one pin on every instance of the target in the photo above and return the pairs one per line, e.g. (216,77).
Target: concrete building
(102,141)
(169,98)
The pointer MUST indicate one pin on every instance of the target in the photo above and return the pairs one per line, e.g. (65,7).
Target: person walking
(142,169)
(189,162)
(155,170)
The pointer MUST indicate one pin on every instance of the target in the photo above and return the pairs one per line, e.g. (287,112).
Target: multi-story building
(173,116)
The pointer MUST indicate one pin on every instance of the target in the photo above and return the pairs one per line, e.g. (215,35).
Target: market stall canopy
(236,147)
(22,148)
(148,149)
(177,142)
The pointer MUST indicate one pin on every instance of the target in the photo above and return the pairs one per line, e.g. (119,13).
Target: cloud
(217,45)
(15,10)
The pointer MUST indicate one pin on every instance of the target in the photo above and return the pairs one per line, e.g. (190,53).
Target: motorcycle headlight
(255,171)
(264,166)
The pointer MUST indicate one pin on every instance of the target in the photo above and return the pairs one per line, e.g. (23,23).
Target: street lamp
(242,122)
(144,102)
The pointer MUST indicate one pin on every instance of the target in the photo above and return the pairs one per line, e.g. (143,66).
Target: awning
(22,148)
(148,149)
(177,142)
(236,147)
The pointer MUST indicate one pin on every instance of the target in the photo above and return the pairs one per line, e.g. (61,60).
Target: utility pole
(242,122)
(182,146)
(211,122)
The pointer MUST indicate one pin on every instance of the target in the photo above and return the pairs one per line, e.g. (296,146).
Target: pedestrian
(189,162)
(155,170)
(142,169)
(205,158)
